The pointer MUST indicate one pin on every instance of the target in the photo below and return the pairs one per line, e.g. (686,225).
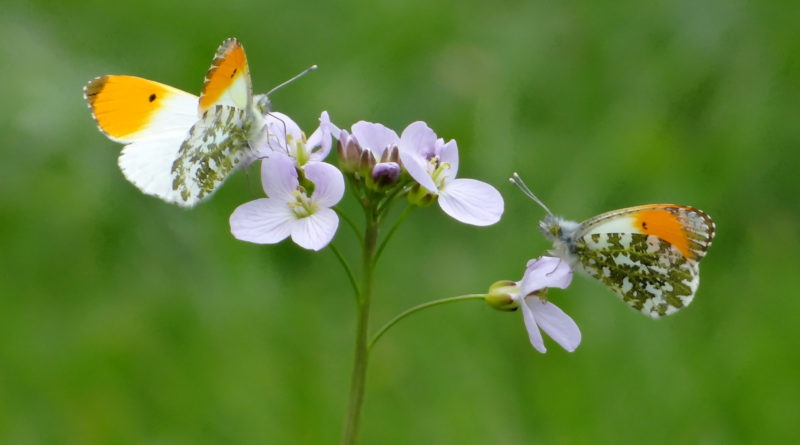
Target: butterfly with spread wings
(180,147)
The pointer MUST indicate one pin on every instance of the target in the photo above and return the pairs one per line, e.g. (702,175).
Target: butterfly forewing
(129,108)
(228,79)
(217,144)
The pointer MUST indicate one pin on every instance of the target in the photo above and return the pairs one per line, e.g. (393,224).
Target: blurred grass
(126,320)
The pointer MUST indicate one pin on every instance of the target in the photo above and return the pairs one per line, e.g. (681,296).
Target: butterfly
(649,254)
(180,147)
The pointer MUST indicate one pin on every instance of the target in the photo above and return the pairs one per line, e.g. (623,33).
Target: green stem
(346,267)
(358,379)
(350,223)
(394,228)
(420,307)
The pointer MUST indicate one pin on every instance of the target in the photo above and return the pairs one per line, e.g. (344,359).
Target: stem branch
(420,307)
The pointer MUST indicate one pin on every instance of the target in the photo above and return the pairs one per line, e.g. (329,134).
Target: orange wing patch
(665,225)
(228,75)
(125,105)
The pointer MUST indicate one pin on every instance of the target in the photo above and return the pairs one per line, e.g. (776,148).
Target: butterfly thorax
(562,233)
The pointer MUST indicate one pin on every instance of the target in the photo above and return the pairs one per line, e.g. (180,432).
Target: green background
(126,320)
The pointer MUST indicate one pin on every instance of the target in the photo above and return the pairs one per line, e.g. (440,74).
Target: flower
(537,312)
(434,164)
(290,210)
(284,136)
(371,150)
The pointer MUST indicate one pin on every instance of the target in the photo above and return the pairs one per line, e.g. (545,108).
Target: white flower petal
(416,166)
(328,183)
(449,153)
(545,272)
(419,139)
(279,176)
(471,202)
(321,137)
(263,221)
(417,169)
(374,137)
(279,127)
(553,321)
(533,330)
(315,231)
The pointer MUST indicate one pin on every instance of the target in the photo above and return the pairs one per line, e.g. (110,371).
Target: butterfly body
(648,254)
(181,147)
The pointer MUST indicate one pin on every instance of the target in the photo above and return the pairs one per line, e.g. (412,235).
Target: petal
(374,137)
(533,330)
(418,138)
(545,272)
(279,127)
(328,183)
(315,231)
(449,153)
(417,167)
(263,221)
(471,202)
(321,137)
(555,323)
(279,176)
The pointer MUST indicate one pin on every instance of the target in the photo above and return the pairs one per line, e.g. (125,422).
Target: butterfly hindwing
(650,274)
(216,145)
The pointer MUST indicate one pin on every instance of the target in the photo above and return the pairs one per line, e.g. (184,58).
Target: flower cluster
(301,188)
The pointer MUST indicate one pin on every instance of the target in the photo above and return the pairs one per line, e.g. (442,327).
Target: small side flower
(301,211)
(433,164)
(537,312)
(285,136)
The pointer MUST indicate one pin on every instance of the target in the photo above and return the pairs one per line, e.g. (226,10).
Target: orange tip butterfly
(649,254)
(180,147)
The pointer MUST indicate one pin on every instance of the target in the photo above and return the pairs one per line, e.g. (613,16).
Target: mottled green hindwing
(216,145)
(650,274)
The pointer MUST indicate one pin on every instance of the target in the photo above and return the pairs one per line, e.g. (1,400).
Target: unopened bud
(501,295)
(349,152)
(385,173)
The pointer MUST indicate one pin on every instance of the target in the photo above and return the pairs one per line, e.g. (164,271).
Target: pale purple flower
(537,312)
(542,273)
(434,164)
(289,209)
(283,135)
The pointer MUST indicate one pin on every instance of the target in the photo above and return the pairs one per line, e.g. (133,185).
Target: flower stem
(350,223)
(346,267)
(420,307)
(394,228)
(358,379)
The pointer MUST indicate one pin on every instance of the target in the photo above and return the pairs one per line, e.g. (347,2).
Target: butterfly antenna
(516,180)
(306,71)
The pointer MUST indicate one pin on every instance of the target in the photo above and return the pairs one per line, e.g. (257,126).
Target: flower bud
(385,173)
(366,162)
(501,295)
(349,152)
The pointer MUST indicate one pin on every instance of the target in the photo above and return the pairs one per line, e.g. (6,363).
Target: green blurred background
(127,320)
